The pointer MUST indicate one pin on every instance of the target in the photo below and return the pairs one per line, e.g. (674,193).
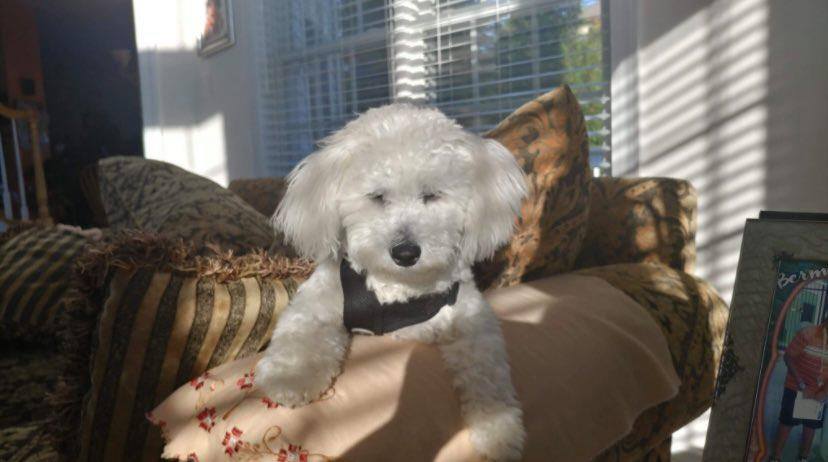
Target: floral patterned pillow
(548,136)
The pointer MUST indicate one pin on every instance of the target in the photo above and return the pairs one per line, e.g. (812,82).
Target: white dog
(410,200)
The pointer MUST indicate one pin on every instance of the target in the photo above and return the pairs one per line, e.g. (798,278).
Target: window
(477,60)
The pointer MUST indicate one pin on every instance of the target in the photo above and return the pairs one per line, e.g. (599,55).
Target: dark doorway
(87,91)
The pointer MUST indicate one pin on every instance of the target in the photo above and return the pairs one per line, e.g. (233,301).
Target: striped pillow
(35,273)
(166,316)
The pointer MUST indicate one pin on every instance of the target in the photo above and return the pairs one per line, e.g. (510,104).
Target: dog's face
(402,204)
(405,193)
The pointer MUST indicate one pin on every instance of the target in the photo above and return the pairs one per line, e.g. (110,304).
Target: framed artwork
(218,33)
(771,394)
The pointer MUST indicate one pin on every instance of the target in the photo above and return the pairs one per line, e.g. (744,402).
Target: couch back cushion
(150,316)
(548,136)
(36,268)
(638,220)
(263,194)
(158,197)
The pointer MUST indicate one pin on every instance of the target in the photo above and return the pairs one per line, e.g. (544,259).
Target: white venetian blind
(477,60)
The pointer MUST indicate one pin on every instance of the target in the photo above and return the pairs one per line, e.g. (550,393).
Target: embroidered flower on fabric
(192,457)
(199,381)
(207,419)
(232,441)
(293,453)
(270,403)
(246,381)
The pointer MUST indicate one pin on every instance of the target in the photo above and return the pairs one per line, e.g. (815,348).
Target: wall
(731,95)
(21,50)
(199,113)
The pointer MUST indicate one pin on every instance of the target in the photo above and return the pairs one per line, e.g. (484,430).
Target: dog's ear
(498,189)
(307,214)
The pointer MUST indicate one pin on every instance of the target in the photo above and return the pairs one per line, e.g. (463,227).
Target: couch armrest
(634,220)
(693,318)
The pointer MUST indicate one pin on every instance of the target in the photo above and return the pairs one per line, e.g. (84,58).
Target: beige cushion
(586,360)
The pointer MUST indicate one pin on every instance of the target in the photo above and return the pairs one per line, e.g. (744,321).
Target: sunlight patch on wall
(168,25)
(702,116)
(199,148)
(693,104)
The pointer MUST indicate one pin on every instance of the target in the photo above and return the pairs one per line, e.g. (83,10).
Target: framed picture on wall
(772,389)
(218,33)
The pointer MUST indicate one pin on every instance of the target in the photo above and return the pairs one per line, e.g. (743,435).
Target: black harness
(365,315)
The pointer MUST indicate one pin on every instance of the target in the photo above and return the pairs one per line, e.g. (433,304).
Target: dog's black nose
(406,253)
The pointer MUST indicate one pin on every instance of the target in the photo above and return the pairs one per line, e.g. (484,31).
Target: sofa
(637,235)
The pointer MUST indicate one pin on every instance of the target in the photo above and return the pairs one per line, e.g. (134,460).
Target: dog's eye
(377,197)
(429,197)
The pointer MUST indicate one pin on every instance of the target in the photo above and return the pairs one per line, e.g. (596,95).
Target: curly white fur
(402,173)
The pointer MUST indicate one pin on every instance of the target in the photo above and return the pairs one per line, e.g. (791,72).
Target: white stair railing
(31,117)
(21,185)
(8,214)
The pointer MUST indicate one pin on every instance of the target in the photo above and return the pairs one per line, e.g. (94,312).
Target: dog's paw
(498,434)
(287,396)
(291,386)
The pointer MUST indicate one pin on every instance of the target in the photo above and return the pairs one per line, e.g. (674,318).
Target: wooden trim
(10,113)
(40,176)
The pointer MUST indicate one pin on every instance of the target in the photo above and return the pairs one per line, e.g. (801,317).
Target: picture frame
(775,321)
(219,30)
